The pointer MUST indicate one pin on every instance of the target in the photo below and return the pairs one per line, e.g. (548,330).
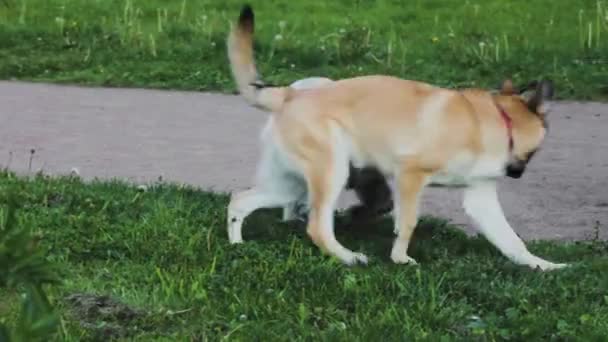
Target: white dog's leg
(290,211)
(297,209)
(275,186)
(244,203)
(482,205)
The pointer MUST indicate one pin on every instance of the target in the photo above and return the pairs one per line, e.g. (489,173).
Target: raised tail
(242,64)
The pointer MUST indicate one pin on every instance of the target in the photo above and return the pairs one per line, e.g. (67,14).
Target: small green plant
(590,29)
(24,269)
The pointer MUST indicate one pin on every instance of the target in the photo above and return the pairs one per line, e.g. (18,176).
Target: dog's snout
(516,169)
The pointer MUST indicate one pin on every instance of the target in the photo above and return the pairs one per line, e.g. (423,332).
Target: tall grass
(180,43)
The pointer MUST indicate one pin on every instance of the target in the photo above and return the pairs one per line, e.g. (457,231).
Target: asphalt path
(211,141)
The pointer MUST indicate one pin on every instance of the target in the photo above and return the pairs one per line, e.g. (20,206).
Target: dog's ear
(528,87)
(536,94)
(507,87)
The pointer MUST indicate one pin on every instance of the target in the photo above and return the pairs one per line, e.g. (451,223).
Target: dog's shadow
(432,239)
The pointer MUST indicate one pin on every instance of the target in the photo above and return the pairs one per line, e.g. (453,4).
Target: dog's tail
(242,64)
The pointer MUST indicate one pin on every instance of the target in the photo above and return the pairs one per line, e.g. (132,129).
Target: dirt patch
(104,317)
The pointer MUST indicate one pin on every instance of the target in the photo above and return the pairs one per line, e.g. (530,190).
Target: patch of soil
(103,316)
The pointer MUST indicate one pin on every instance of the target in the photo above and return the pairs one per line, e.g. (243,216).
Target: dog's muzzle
(516,169)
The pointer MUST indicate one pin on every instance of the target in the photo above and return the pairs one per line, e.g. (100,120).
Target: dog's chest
(466,168)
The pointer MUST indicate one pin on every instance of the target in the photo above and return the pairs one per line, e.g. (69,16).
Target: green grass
(181,43)
(165,252)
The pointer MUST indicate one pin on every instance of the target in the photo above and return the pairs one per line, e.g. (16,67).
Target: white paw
(399,253)
(234,241)
(355,258)
(403,258)
(234,234)
(548,266)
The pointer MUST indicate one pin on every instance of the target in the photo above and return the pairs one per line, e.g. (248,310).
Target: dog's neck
(508,123)
(494,97)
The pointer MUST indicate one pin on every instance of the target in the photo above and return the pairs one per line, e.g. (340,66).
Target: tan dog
(412,131)
(370,186)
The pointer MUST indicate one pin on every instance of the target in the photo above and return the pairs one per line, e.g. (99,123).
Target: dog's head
(529,109)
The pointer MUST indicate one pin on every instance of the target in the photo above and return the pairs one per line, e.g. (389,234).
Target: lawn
(181,43)
(164,256)
(155,263)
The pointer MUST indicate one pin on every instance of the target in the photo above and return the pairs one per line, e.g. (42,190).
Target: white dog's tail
(242,64)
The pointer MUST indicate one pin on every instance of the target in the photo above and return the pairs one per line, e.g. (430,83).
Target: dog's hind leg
(290,211)
(244,203)
(275,187)
(481,203)
(326,179)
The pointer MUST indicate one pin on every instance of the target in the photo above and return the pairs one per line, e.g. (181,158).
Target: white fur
(488,167)
(481,204)
(464,169)
(310,82)
(277,184)
(399,253)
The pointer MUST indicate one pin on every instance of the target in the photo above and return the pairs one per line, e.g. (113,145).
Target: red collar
(508,122)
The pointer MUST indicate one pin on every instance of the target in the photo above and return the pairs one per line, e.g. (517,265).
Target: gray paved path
(211,141)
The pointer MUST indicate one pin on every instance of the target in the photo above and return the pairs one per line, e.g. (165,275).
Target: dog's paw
(235,241)
(234,234)
(549,266)
(403,258)
(399,253)
(354,259)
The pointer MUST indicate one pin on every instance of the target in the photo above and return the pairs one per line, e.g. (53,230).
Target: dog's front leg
(409,187)
(482,205)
